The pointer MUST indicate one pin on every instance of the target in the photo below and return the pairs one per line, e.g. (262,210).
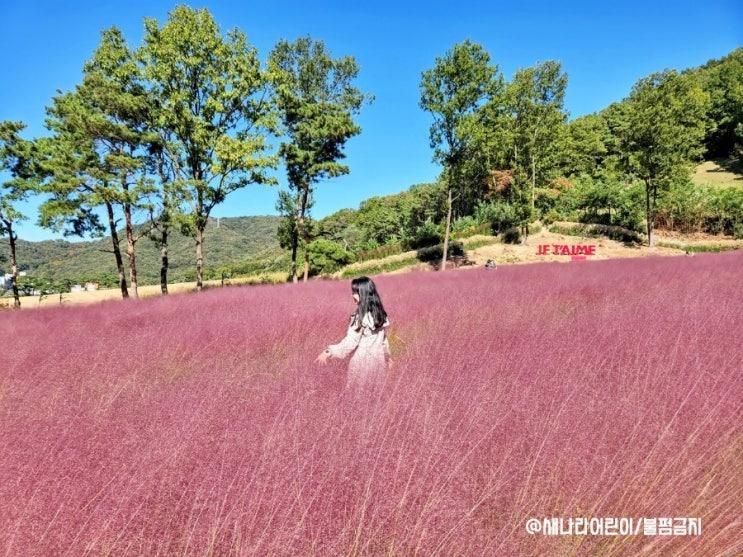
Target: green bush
(327,256)
(594,230)
(512,235)
(435,253)
(427,234)
(725,210)
(464,223)
(501,216)
(551,216)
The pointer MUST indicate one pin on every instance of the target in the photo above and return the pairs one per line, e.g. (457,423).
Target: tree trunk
(295,243)
(533,181)
(649,214)
(13,266)
(199,258)
(446,234)
(302,229)
(131,256)
(117,250)
(164,261)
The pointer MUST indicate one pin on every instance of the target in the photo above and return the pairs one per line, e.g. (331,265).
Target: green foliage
(316,102)
(666,126)
(425,235)
(723,80)
(512,235)
(288,230)
(586,148)
(606,199)
(498,214)
(327,257)
(381,220)
(341,227)
(596,230)
(435,253)
(726,211)
(477,229)
(465,223)
(98,152)
(454,91)
(15,163)
(535,98)
(688,208)
(212,116)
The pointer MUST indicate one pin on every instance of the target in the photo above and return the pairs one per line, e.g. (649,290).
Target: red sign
(577,251)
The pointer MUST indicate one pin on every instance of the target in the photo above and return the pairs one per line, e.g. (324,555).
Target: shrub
(435,253)
(479,229)
(551,216)
(464,223)
(427,234)
(500,215)
(512,235)
(607,199)
(327,256)
(613,232)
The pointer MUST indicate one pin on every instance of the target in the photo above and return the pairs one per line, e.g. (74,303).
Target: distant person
(490,264)
(366,337)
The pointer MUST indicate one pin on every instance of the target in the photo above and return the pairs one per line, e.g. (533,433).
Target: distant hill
(235,240)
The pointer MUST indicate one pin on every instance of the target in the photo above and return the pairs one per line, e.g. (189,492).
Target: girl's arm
(387,347)
(345,346)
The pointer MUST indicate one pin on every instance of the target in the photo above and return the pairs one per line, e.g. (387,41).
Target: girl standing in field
(366,335)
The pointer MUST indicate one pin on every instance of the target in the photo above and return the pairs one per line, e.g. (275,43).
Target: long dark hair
(369,302)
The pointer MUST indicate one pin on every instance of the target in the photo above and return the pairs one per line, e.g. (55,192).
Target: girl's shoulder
(368,322)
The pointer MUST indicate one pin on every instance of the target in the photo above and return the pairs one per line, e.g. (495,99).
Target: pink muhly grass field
(199,424)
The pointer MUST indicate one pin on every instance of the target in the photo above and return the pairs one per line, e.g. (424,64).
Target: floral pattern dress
(371,350)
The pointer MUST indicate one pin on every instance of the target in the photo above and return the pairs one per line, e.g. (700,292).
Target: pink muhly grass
(199,424)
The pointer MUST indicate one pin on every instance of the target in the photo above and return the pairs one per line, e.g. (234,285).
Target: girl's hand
(322,358)
(390,365)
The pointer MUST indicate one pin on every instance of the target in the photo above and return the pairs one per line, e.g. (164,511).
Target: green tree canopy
(213,112)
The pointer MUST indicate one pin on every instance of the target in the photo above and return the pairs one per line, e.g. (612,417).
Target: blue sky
(603,46)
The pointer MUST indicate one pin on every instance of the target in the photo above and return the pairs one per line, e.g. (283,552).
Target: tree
(535,99)
(77,181)
(317,101)
(287,232)
(212,115)
(120,126)
(341,227)
(453,91)
(164,216)
(723,80)
(100,150)
(666,126)
(15,159)
(327,256)
(586,148)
